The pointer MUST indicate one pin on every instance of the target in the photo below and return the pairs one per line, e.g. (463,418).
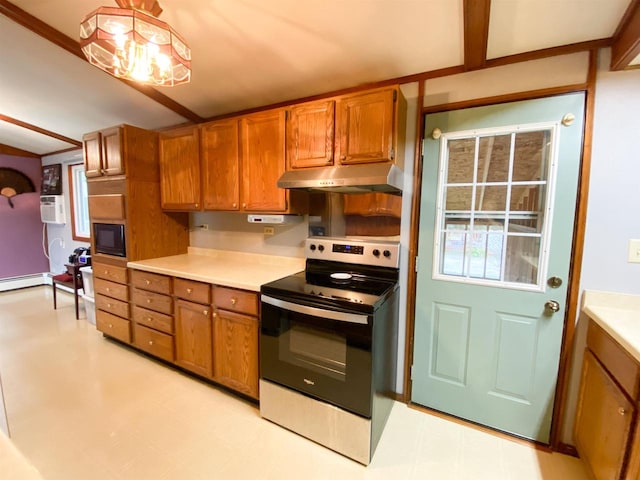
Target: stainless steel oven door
(321,352)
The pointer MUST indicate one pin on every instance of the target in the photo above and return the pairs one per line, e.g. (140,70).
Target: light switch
(634,251)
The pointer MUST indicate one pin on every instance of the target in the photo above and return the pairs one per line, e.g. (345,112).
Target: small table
(71,279)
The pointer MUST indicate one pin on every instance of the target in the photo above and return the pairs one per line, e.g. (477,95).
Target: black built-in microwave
(109,239)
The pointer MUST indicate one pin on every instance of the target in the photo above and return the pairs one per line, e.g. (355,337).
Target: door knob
(552,306)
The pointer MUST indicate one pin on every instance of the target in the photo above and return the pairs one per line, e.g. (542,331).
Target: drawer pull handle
(234,301)
(150,342)
(622,411)
(189,290)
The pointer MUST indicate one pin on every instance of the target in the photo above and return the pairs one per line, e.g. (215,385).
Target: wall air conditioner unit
(52,209)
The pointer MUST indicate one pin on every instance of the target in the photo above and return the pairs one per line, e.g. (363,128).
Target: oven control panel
(367,252)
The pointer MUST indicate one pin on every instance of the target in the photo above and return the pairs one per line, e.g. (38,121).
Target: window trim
(72,202)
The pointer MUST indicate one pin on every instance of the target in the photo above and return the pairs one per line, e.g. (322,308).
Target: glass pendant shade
(130,42)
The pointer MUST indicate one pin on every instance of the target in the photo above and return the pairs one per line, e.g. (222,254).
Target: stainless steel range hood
(373,177)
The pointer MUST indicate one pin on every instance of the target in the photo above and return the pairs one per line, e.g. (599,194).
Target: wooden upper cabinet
(220,165)
(367,127)
(262,138)
(180,169)
(310,131)
(112,152)
(103,153)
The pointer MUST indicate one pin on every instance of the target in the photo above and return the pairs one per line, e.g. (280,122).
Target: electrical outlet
(269,230)
(204,226)
(634,251)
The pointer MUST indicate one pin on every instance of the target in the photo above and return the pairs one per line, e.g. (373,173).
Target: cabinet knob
(234,205)
(622,411)
(149,319)
(215,314)
(234,301)
(205,312)
(197,205)
(189,290)
(110,325)
(106,272)
(150,342)
(148,300)
(343,157)
(108,305)
(147,282)
(244,205)
(108,289)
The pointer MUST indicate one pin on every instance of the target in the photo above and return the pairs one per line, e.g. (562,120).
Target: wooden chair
(72,279)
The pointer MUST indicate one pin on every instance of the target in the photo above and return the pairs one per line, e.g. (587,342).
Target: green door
(496,223)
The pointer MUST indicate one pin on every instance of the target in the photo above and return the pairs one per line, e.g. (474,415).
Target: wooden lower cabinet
(113,326)
(236,351)
(193,337)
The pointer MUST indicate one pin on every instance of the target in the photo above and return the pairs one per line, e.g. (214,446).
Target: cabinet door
(193,337)
(112,159)
(603,421)
(91,146)
(220,165)
(310,135)
(180,169)
(236,351)
(365,127)
(373,204)
(263,159)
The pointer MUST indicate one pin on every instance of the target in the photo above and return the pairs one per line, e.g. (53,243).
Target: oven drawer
(197,292)
(153,301)
(235,300)
(153,282)
(154,342)
(111,289)
(116,307)
(151,319)
(113,326)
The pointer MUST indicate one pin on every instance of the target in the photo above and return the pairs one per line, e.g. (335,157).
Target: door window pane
(492,206)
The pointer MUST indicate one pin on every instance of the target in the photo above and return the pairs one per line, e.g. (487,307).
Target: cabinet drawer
(110,272)
(152,301)
(113,326)
(111,305)
(151,319)
(151,281)
(235,300)
(108,207)
(153,342)
(193,291)
(111,289)
(615,359)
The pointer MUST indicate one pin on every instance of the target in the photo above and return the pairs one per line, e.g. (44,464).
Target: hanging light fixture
(130,42)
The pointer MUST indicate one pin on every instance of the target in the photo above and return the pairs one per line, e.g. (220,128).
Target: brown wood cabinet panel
(92,149)
(180,184)
(107,207)
(236,351)
(156,320)
(193,337)
(373,204)
(110,272)
(235,300)
(112,158)
(153,342)
(263,161)
(366,125)
(153,301)
(220,165)
(111,289)
(198,292)
(153,282)
(113,326)
(113,306)
(633,465)
(310,131)
(603,421)
(615,359)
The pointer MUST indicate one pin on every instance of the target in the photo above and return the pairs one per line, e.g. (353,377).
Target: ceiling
(252,53)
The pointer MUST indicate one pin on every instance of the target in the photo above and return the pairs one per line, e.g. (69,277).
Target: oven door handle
(316,312)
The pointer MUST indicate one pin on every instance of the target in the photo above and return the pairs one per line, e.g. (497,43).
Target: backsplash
(232,231)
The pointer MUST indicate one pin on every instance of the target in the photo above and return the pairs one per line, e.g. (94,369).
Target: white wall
(613,209)
(61,242)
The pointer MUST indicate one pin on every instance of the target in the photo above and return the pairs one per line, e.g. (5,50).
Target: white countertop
(247,271)
(618,314)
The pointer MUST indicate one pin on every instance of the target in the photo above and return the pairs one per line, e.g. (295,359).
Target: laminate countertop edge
(229,269)
(618,314)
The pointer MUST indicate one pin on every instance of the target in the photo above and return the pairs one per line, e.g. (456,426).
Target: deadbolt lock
(554,282)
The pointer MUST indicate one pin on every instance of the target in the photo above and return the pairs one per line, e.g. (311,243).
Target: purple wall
(20,227)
